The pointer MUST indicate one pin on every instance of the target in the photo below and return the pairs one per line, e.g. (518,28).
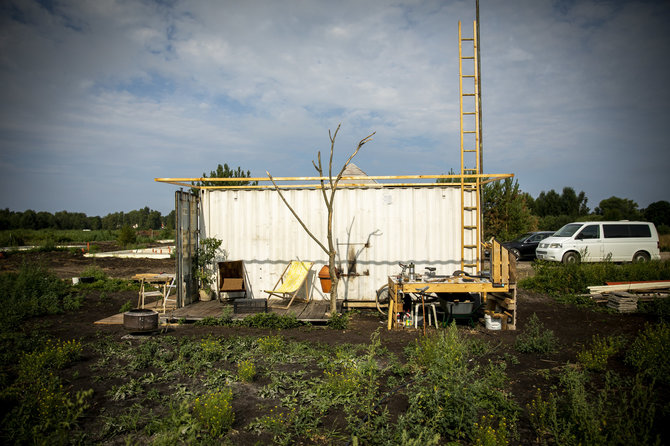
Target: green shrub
(656,307)
(33,291)
(96,272)
(595,358)
(127,236)
(535,338)
(576,412)
(650,352)
(246,370)
(214,412)
(339,321)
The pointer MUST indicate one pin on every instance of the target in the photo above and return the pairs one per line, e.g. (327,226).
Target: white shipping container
(375,228)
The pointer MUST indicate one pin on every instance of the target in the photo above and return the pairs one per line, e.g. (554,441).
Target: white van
(599,241)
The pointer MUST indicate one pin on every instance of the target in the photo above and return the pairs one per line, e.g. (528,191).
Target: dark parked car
(524,246)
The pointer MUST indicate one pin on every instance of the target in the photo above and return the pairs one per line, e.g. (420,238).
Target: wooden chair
(291,281)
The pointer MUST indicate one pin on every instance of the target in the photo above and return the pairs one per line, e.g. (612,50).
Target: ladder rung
(467,39)
(470,227)
(469,113)
(470,208)
(470,246)
(468,57)
(468,94)
(469,131)
(471,265)
(469,150)
(467,75)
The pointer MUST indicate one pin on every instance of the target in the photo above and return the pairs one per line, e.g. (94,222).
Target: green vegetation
(602,349)
(36,406)
(535,338)
(650,352)
(203,268)
(33,291)
(246,370)
(260,320)
(227,388)
(50,239)
(623,411)
(339,321)
(127,236)
(559,279)
(214,412)
(226,172)
(506,210)
(450,393)
(142,219)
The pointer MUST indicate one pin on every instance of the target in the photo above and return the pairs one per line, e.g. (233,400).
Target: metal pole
(479,86)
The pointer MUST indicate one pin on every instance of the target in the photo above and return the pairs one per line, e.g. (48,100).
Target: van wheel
(515,252)
(641,257)
(571,257)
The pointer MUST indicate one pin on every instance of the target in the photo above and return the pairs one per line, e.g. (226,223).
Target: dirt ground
(573,326)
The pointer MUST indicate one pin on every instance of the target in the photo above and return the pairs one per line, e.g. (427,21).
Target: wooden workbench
(498,293)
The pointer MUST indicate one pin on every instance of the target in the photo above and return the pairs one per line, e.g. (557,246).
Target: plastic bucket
(492,323)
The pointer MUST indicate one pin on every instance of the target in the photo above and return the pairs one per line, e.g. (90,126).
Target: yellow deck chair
(291,281)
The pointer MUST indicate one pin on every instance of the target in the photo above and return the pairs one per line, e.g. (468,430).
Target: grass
(454,388)
(557,279)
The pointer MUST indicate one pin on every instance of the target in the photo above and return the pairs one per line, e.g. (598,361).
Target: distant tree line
(510,212)
(143,219)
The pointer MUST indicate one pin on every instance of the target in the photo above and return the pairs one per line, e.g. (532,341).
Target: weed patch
(535,338)
(559,279)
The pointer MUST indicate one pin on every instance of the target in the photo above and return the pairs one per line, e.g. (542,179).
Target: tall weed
(450,392)
(622,412)
(535,338)
(650,352)
(33,291)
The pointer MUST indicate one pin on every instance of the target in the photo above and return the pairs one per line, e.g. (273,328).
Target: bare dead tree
(328,190)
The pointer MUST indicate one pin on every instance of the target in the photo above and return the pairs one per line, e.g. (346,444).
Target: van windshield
(568,230)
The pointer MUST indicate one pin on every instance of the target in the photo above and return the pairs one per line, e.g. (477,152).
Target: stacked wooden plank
(630,286)
(622,302)
(624,296)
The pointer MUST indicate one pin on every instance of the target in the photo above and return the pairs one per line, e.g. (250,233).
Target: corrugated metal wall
(420,225)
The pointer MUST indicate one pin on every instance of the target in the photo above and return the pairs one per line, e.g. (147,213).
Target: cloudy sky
(99,97)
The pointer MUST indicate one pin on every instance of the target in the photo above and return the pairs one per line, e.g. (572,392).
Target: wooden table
(446,285)
(159,282)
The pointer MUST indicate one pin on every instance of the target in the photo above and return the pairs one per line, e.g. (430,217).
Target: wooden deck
(313,311)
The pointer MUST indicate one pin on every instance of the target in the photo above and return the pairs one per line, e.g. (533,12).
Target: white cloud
(128,91)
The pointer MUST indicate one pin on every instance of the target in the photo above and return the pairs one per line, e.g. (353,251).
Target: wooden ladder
(471,165)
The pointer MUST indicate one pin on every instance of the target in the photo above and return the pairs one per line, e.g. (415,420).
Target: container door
(186,209)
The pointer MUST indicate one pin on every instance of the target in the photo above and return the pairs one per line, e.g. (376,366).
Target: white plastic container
(492,323)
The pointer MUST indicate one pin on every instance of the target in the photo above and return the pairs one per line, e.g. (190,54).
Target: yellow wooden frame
(482,178)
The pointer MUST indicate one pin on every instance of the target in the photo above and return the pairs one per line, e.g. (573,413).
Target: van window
(568,230)
(589,232)
(640,231)
(626,230)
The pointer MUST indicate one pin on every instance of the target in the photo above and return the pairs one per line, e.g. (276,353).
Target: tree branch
(296,215)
